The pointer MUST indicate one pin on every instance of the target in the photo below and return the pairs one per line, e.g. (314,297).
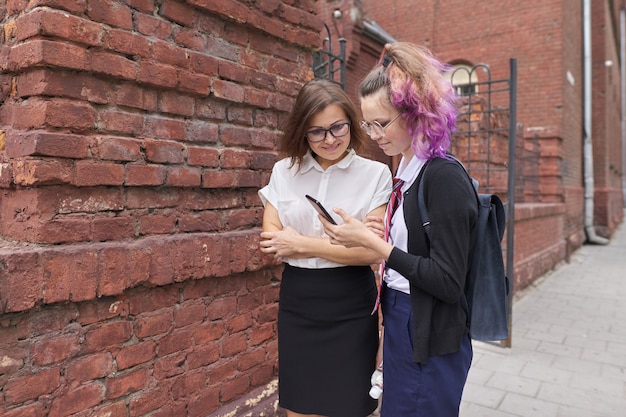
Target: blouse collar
(309,162)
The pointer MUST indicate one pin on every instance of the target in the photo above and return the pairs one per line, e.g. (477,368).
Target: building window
(464,79)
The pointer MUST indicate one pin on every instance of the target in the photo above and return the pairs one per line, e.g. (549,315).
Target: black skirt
(327,341)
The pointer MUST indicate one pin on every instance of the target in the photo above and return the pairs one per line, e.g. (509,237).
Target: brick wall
(134,136)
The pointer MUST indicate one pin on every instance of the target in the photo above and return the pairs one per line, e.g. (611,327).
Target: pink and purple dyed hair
(417,86)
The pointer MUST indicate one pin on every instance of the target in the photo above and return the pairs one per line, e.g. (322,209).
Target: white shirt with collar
(398,233)
(355,184)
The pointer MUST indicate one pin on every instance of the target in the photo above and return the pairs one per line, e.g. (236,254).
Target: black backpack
(486,286)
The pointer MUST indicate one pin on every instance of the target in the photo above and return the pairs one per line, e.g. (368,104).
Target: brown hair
(315,96)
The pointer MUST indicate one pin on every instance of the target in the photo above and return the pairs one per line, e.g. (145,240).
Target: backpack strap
(421,206)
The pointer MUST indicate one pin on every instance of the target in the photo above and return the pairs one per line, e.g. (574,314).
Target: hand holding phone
(320,208)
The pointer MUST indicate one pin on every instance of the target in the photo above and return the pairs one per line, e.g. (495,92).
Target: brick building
(134,135)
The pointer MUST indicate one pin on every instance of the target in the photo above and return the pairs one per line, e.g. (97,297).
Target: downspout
(587,148)
(622,16)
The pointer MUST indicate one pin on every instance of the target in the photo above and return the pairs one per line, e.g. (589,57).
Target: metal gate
(326,63)
(486,140)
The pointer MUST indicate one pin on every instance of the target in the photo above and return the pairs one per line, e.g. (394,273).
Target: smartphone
(320,208)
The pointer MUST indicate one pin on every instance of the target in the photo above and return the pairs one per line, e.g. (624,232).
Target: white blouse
(355,184)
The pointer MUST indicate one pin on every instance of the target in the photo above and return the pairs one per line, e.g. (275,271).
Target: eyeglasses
(375,127)
(319,135)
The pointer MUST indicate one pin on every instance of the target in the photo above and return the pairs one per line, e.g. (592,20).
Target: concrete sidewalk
(568,354)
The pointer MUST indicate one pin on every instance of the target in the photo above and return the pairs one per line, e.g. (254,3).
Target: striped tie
(394,203)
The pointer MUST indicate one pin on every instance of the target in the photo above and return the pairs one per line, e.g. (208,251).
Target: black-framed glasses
(319,134)
(375,127)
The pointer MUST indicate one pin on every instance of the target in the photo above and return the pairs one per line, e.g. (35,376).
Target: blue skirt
(410,389)
(327,341)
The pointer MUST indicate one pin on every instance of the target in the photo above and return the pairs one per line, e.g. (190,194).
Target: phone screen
(320,209)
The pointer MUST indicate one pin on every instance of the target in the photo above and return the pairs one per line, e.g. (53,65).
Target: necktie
(394,203)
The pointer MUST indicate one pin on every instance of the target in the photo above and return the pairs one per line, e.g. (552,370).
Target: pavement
(568,348)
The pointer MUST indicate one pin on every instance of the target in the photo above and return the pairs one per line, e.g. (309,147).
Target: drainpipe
(587,148)
(622,16)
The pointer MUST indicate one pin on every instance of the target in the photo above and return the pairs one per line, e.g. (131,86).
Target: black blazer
(436,270)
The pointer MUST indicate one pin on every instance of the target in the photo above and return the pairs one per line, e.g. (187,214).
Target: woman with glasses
(409,109)
(327,334)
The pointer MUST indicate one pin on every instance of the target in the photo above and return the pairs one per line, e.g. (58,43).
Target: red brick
(50,320)
(132,95)
(233,72)
(38,172)
(121,268)
(176,104)
(161,151)
(183,177)
(206,157)
(248,178)
(239,323)
(151,26)
(91,367)
(100,310)
(203,64)
(261,375)
(113,65)
(65,230)
(234,388)
(148,401)
(197,84)
(231,158)
(177,341)
(203,355)
(117,409)
(113,228)
(33,410)
(48,82)
(251,359)
(228,91)
(70,276)
(48,53)
(111,13)
(56,24)
(209,332)
(157,74)
(189,38)
(81,398)
(165,128)
(126,383)
(47,144)
(126,43)
(90,173)
(159,223)
(179,13)
(199,222)
(141,175)
(169,54)
(261,334)
(122,122)
(145,327)
(206,400)
(199,132)
(18,390)
(118,149)
(218,179)
(169,366)
(240,219)
(54,350)
(137,354)
(234,344)
(189,314)
(187,383)
(106,335)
